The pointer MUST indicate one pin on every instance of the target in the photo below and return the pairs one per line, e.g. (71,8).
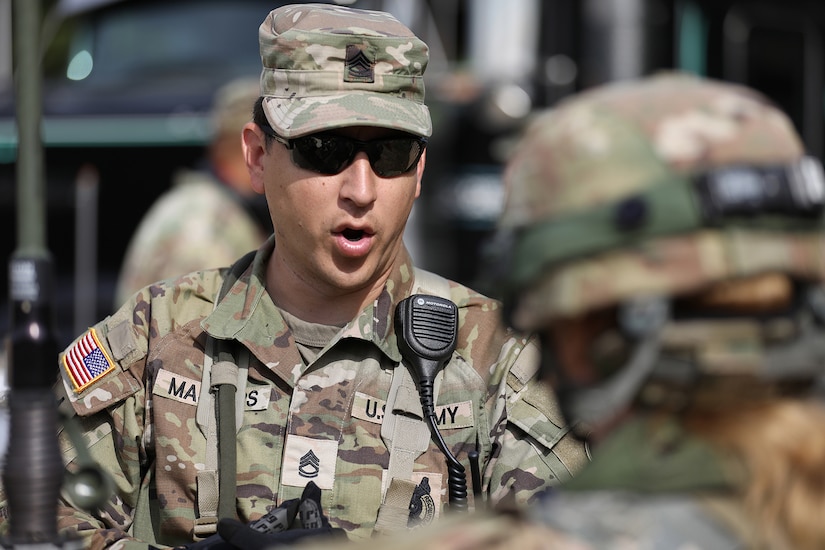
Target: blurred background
(127,86)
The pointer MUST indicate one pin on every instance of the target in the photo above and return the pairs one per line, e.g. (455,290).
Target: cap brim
(295,117)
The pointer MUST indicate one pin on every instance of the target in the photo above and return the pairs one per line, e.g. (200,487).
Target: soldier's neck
(315,302)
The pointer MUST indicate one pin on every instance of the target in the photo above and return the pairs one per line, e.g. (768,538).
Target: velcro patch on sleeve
(86,361)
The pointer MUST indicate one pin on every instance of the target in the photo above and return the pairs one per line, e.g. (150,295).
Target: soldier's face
(570,340)
(340,232)
(575,362)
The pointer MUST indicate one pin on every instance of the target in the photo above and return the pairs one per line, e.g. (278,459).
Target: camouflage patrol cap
(232,106)
(327,66)
(600,202)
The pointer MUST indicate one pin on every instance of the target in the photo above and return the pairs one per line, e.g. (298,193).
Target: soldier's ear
(419,172)
(254,151)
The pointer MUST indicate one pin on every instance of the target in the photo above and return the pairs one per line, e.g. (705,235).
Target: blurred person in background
(665,239)
(213,399)
(211,216)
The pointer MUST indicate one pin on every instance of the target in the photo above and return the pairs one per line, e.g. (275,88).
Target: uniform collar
(248,315)
(232,314)
(375,322)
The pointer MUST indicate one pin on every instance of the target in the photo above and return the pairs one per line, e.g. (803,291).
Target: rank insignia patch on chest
(86,361)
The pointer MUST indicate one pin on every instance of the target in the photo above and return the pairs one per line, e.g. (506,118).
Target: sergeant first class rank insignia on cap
(86,361)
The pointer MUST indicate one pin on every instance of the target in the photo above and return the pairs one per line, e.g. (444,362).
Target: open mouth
(352,234)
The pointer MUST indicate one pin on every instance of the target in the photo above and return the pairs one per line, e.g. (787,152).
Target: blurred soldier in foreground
(211,216)
(667,244)
(215,399)
(669,247)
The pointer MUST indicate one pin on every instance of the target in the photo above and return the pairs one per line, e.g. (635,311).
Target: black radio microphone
(427,328)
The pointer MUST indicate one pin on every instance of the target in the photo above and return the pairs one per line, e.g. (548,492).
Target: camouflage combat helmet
(633,194)
(665,145)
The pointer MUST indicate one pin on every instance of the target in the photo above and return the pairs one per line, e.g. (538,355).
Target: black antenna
(32,468)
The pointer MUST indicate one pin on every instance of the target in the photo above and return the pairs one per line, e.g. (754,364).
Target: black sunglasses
(329,154)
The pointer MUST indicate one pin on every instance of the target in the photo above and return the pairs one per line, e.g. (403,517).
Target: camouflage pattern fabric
(608,521)
(652,486)
(636,137)
(198,224)
(232,107)
(647,488)
(478,531)
(326,67)
(320,421)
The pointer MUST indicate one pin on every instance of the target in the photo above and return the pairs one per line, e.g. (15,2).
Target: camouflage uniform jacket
(651,489)
(198,224)
(138,413)
(644,490)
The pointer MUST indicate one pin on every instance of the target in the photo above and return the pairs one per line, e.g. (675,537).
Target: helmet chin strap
(798,357)
(641,320)
(804,356)
(597,405)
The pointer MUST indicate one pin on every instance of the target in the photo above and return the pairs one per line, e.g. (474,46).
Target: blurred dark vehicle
(125,104)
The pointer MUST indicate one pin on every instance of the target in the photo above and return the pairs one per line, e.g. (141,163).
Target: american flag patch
(86,361)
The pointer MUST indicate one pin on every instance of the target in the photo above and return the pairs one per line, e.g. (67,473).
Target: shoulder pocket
(533,408)
(91,370)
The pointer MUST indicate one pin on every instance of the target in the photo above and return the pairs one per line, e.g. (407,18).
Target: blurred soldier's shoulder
(481,530)
(700,519)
